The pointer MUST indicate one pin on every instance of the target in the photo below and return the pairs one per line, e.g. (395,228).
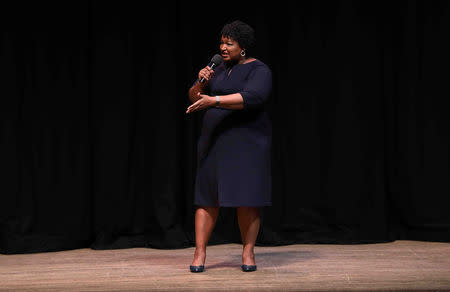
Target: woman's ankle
(200,250)
(199,257)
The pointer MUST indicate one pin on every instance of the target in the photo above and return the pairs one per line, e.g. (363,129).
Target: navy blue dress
(234,167)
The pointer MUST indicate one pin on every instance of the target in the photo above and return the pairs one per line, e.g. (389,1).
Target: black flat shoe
(248,268)
(197,269)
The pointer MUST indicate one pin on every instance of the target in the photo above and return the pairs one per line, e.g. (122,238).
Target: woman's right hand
(206,73)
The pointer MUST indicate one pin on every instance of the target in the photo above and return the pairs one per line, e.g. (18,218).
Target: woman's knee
(248,210)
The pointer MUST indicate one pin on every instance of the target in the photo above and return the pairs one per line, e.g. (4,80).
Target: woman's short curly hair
(242,33)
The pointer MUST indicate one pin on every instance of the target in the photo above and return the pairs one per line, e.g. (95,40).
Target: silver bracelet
(217,100)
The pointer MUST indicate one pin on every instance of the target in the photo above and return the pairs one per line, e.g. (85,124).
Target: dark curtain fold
(360,123)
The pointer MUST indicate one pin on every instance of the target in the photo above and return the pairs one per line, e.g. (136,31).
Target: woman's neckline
(230,66)
(254,60)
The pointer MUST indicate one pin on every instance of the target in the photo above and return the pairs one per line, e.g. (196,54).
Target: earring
(243,53)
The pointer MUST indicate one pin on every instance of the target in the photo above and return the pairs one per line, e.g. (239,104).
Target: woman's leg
(249,221)
(205,219)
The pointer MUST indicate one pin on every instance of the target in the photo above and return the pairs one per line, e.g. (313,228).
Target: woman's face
(230,50)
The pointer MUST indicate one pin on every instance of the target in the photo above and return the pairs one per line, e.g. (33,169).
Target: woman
(234,145)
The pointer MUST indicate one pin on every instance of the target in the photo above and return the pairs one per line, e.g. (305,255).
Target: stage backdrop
(97,151)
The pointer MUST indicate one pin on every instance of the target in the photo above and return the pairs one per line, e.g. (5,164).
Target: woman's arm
(195,91)
(231,101)
(198,87)
(254,94)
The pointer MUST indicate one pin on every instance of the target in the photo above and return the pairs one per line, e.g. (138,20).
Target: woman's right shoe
(197,269)
(248,268)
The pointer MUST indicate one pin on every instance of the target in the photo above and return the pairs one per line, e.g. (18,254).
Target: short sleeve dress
(234,166)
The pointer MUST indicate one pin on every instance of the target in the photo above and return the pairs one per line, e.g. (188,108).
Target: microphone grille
(217,59)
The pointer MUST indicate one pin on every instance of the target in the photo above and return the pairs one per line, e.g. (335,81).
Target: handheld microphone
(215,61)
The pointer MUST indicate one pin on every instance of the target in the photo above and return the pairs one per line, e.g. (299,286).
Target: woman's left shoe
(197,269)
(248,268)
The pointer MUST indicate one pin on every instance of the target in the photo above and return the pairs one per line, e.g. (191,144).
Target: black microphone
(215,61)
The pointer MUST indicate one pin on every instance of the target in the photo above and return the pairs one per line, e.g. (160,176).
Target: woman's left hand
(204,101)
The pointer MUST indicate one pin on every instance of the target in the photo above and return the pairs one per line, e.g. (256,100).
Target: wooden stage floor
(395,266)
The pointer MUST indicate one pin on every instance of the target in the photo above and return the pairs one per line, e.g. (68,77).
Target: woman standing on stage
(234,145)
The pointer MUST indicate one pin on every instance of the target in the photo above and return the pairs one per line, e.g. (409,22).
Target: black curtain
(97,151)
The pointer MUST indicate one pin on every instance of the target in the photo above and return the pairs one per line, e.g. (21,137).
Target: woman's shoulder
(259,64)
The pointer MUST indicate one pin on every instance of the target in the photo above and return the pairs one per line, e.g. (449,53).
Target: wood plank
(395,266)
